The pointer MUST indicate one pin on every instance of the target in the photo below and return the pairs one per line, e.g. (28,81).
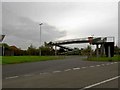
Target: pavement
(72,72)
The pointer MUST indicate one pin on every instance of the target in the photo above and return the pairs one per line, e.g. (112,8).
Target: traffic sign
(1,37)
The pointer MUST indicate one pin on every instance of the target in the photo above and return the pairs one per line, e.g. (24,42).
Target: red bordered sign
(90,39)
(1,37)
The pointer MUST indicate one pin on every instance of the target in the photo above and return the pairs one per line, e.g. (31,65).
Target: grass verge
(23,59)
(115,58)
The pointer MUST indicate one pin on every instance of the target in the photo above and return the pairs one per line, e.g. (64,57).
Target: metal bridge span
(91,40)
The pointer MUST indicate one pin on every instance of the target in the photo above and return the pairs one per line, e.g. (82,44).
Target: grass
(23,59)
(115,58)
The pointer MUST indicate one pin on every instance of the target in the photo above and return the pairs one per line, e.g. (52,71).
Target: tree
(32,50)
(116,50)
(87,51)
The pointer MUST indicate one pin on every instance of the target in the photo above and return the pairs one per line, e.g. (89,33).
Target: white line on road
(27,75)
(108,64)
(44,73)
(102,64)
(67,70)
(92,66)
(11,77)
(83,67)
(90,86)
(97,65)
(112,63)
(56,71)
(76,68)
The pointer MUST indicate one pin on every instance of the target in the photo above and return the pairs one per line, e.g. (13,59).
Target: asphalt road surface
(72,72)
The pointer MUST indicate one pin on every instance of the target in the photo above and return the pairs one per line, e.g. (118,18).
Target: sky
(61,21)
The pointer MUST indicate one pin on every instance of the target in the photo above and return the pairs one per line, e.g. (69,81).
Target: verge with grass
(115,58)
(23,59)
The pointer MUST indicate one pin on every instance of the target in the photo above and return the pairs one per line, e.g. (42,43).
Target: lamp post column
(40,40)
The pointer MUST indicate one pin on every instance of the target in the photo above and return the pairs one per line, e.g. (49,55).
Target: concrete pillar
(102,50)
(97,50)
(109,53)
(55,50)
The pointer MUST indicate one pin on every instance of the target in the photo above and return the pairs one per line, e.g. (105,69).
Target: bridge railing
(69,40)
(95,40)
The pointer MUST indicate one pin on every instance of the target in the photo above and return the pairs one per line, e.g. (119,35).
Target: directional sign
(1,37)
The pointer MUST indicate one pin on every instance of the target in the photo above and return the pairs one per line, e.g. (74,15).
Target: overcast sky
(61,20)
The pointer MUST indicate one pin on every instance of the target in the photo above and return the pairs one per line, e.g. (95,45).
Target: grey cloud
(18,28)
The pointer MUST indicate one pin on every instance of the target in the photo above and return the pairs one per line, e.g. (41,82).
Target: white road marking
(56,71)
(83,67)
(60,71)
(11,77)
(27,75)
(92,66)
(108,64)
(112,63)
(67,70)
(43,73)
(76,68)
(93,85)
(103,64)
(97,65)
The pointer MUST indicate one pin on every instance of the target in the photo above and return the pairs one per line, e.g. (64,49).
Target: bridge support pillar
(97,50)
(102,50)
(55,50)
(109,53)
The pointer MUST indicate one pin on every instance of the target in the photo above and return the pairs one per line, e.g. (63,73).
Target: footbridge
(91,40)
(107,43)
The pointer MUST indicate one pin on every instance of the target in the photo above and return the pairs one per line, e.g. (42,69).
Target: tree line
(31,50)
(47,50)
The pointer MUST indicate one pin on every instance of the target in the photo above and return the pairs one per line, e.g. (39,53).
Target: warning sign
(1,37)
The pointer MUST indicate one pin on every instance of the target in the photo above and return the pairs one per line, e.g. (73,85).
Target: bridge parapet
(91,40)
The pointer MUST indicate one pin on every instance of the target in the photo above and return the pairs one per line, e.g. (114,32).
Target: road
(72,72)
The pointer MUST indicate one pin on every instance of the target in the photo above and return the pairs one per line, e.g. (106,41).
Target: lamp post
(40,39)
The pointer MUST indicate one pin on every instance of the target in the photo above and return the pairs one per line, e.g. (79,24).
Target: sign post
(90,41)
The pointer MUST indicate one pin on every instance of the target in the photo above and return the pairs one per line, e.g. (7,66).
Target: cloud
(22,30)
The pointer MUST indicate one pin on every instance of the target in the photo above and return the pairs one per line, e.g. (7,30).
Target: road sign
(1,37)
(90,39)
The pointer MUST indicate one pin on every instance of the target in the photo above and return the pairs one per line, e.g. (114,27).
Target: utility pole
(40,39)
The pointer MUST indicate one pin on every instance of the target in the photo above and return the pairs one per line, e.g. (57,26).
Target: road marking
(56,71)
(60,71)
(97,65)
(112,63)
(67,70)
(43,73)
(83,67)
(92,66)
(108,64)
(27,75)
(93,85)
(76,68)
(11,77)
(103,64)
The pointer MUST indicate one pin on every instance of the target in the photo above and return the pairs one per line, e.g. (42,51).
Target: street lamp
(40,39)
